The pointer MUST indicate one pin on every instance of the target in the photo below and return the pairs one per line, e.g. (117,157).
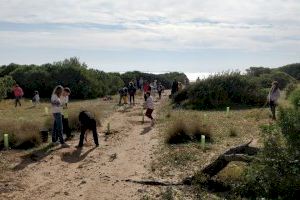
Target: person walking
(131,91)
(56,102)
(159,90)
(18,93)
(150,107)
(146,89)
(273,97)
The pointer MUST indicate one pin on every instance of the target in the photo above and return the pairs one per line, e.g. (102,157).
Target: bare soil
(89,173)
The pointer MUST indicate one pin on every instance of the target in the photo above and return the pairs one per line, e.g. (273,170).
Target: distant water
(192,76)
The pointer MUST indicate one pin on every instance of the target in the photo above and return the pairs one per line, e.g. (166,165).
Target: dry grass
(183,130)
(23,123)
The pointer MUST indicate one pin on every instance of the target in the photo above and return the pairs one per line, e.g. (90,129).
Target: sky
(154,35)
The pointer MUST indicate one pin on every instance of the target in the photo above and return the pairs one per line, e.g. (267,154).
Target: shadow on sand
(76,156)
(146,130)
(35,156)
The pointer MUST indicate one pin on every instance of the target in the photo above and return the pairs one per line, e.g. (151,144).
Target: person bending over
(87,122)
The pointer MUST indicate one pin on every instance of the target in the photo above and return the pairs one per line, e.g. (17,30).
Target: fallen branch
(153,182)
(240,153)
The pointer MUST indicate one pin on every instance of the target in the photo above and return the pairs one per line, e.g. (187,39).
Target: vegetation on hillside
(85,83)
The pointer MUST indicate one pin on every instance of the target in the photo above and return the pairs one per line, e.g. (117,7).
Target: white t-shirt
(56,104)
(149,103)
(64,100)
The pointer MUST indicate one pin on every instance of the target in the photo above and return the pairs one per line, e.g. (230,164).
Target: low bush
(185,130)
(275,174)
(218,91)
(289,89)
(295,98)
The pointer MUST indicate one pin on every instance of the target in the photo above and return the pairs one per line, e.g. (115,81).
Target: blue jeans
(57,128)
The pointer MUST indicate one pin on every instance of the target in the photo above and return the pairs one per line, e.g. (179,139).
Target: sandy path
(93,173)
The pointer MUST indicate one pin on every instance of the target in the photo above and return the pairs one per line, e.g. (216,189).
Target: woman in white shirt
(57,114)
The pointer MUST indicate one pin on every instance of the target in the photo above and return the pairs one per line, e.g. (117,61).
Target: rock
(66,193)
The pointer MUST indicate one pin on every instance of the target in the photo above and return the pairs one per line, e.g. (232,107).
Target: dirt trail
(93,173)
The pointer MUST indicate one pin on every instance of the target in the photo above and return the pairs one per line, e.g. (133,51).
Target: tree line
(84,82)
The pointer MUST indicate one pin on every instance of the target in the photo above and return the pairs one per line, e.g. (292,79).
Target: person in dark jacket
(87,122)
(174,87)
(131,91)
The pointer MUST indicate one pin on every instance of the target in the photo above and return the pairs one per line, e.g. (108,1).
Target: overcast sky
(152,35)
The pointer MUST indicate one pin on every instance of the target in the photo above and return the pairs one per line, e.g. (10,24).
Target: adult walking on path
(57,104)
(273,97)
(18,93)
(131,91)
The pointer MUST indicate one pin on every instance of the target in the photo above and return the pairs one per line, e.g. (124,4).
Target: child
(56,110)
(273,97)
(150,107)
(36,98)
(65,100)
(87,122)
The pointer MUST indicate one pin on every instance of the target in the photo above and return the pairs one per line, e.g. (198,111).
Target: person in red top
(18,93)
(146,88)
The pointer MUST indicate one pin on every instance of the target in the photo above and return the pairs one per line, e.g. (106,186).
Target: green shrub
(219,91)
(295,98)
(292,69)
(275,174)
(289,89)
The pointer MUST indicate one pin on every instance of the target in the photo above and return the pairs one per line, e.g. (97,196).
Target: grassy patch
(183,130)
(23,124)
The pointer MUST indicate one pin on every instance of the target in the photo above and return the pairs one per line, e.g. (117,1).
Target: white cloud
(156,24)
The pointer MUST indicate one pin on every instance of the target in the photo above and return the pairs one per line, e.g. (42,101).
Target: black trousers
(66,128)
(131,98)
(91,126)
(273,109)
(18,101)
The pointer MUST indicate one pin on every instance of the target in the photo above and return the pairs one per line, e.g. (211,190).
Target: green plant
(167,194)
(289,89)
(275,174)
(222,90)
(295,98)
(232,132)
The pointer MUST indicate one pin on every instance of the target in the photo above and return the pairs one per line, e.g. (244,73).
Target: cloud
(155,24)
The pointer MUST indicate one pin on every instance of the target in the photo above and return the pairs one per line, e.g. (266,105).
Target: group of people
(19,93)
(60,99)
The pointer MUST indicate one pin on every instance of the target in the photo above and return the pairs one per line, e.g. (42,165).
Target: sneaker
(65,145)
(54,144)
